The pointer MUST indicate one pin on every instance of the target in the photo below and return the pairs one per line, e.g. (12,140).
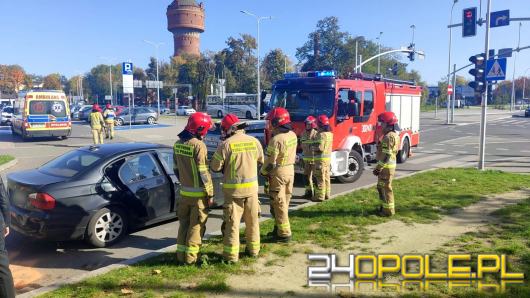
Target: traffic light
(412,47)
(478,72)
(395,69)
(469,22)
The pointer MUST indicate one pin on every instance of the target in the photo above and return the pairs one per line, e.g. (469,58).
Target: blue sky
(70,37)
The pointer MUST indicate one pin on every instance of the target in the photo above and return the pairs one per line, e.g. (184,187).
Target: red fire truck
(353,105)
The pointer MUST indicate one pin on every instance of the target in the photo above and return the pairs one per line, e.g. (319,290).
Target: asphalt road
(39,263)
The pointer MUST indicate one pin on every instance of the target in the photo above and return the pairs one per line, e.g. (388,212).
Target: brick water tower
(185,19)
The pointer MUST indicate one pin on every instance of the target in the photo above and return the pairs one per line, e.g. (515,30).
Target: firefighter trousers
(234,210)
(97,135)
(309,170)
(323,179)
(109,130)
(192,214)
(386,193)
(280,193)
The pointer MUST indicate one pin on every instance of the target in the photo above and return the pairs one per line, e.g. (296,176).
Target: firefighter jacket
(189,158)
(323,145)
(96,120)
(307,139)
(280,153)
(109,115)
(238,157)
(387,150)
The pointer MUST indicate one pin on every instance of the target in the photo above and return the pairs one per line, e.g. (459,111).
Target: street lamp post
(156,45)
(109,60)
(524,81)
(379,52)
(449,64)
(258,21)
(512,103)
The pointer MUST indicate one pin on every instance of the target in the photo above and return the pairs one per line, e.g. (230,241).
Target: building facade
(186,21)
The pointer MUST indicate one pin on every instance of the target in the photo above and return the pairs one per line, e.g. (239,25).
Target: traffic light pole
(453,96)
(482,145)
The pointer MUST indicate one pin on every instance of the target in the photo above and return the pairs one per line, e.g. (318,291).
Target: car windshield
(47,107)
(70,164)
(301,103)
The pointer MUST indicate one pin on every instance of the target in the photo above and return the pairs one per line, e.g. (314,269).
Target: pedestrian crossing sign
(496,69)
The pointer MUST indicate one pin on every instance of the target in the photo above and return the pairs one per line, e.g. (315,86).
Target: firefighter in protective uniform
(307,139)
(190,166)
(387,150)
(238,157)
(109,115)
(97,123)
(280,157)
(322,156)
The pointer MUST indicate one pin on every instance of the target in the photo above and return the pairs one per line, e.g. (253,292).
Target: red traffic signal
(469,22)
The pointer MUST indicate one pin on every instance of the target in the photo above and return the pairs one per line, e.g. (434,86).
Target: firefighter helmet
(278,117)
(108,106)
(228,121)
(96,108)
(199,124)
(388,118)
(323,120)
(312,121)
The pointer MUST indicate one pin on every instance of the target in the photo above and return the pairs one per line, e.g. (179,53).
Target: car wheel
(151,121)
(403,154)
(248,114)
(219,114)
(106,227)
(355,168)
(119,122)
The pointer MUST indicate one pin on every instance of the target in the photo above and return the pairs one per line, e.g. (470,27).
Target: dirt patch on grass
(286,274)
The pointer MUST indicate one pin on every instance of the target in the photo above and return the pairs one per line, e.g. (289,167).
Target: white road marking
(428,158)
(502,149)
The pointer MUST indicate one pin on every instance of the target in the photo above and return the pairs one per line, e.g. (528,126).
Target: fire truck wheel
(403,154)
(355,168)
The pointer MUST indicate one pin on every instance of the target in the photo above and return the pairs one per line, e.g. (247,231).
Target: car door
(166,157)
(144,177)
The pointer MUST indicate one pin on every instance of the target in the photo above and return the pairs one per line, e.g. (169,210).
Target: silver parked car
(139,115)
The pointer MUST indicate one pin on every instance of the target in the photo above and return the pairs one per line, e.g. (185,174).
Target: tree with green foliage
(273,67)
(52,82)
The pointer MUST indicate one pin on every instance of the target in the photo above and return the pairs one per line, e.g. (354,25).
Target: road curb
(8,165)
(161,251)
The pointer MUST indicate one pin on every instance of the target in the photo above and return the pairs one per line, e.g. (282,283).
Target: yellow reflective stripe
(240,185)
(284,226)
(292,142)
(203,168)
(182,248)
(183,150)
(387,151)
(193,194)
(193,249)
(390,165)
(254,245)
(217,156)
(388,206)
(308,158)
(231,249)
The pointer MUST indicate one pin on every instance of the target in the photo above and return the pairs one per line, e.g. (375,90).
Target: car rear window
(47,107)
(70,164)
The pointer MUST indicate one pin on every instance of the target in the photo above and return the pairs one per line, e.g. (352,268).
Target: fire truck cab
(353,105)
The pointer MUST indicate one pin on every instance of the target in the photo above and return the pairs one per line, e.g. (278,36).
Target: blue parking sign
(127,68)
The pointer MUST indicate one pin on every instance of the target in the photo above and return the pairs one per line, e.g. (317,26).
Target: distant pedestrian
(97,123)
(322,146)
(386,162)
(7,288)
(109,115)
